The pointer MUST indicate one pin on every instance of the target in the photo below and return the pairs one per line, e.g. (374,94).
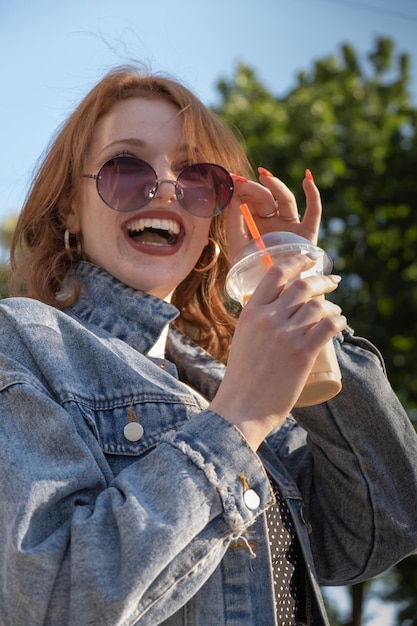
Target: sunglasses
(126,183)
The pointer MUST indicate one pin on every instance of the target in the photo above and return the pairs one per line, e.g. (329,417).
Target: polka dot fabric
(285,554)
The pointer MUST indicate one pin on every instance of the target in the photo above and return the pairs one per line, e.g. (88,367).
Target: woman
(142,481)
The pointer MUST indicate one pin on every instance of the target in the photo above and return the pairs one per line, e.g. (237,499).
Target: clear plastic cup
(251,264)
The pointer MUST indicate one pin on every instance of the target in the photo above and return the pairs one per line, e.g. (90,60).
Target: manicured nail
(309,175)
(335,278)
(240,179)
(265,172)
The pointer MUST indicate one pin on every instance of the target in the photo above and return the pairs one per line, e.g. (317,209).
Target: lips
(155,234)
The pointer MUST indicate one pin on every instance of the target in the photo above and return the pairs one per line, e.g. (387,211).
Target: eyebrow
(139,143)
(132,141)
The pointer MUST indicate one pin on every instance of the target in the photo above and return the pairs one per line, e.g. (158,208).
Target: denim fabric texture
(99,530)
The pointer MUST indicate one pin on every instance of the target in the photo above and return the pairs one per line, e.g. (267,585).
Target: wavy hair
(39,259)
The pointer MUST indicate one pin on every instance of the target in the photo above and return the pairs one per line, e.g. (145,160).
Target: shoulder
(20,308)
(25,320)
(20,313)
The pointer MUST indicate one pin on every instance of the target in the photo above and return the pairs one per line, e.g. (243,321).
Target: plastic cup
(324,380)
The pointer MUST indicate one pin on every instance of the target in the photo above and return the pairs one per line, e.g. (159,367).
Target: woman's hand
(273,207)
(279,335)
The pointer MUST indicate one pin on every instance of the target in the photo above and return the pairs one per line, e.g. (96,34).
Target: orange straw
(256,235)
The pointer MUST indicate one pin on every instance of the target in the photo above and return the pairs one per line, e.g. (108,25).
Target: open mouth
(154,231)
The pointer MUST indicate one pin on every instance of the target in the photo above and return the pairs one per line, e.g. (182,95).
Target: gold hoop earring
(215,254)
(67,242)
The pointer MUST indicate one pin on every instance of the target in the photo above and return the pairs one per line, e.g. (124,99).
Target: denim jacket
(96,529)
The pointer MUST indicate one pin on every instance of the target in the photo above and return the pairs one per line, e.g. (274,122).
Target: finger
(258,197)
(303,304)
(313,212)
(282,281)
(286,202)
(324,330)
(278,278)
(310,313)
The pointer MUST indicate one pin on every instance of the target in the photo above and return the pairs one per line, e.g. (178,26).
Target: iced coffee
(324,381)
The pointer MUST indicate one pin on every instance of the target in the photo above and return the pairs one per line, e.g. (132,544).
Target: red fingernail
(309,175)
(240,179)
(265,172)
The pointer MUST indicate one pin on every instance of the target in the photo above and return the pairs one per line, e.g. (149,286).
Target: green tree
(355,128)
(354,125)
(6,230)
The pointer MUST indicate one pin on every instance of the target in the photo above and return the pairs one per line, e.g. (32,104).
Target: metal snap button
(133,431)
(251,499)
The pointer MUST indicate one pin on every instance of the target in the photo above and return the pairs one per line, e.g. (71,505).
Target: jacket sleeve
(357,470)
(78,546)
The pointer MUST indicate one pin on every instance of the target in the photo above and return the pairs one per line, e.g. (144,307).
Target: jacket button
(133,431)
(251,499)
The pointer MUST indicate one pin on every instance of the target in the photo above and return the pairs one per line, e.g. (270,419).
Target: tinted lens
(205,189)
(126,184)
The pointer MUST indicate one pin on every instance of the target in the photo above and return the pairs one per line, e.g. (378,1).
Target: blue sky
(53,52)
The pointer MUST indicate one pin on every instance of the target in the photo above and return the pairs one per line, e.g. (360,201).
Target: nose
(168,189)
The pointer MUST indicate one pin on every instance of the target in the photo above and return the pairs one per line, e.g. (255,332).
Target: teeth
(148,222)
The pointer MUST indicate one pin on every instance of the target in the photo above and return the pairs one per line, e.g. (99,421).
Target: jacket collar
(130,315)
(139,319)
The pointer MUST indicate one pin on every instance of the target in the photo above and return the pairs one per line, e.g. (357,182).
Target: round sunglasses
(126,183)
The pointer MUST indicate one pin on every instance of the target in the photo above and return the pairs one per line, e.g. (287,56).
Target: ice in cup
(250,265)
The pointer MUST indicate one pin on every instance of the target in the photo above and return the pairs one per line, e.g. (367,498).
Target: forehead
(151,121)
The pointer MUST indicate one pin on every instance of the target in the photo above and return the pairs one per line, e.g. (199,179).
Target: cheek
(200,245)
(98,228)
(92,211)
(201,233)
(203,246)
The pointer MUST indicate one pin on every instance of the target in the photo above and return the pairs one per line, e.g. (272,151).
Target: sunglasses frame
(179,188)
